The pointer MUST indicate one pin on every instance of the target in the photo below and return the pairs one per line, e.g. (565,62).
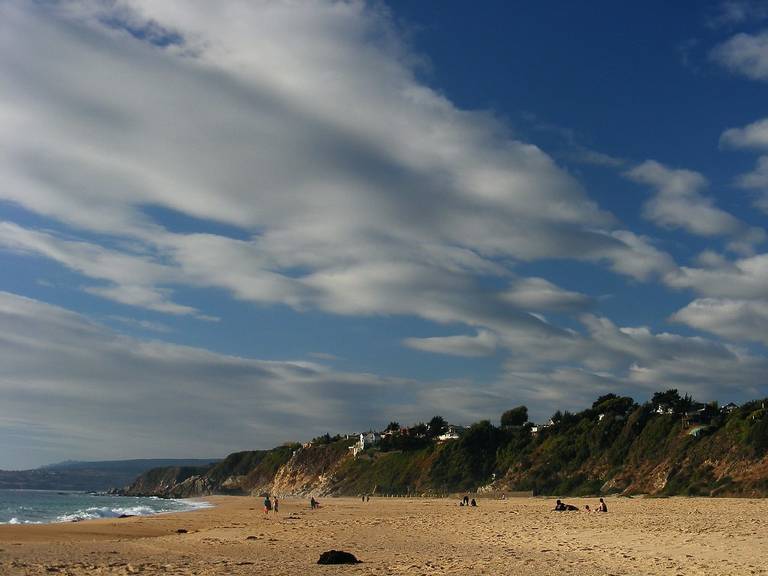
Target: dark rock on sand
(337,557)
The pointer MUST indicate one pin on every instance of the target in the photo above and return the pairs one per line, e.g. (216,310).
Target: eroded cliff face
(287,471)
(311,471)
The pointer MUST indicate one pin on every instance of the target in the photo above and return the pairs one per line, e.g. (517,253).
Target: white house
(451,433)
(366,439)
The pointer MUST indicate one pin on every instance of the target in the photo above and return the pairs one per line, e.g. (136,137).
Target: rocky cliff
(616,446)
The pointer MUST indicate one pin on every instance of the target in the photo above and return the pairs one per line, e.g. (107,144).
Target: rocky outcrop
(311,471)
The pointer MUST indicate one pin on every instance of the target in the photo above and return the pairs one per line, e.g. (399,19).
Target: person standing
(267,504)
(276,505)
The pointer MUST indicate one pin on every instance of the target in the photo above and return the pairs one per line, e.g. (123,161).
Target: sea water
(46,506)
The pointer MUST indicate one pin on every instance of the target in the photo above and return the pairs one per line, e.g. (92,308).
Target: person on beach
(563,507)
(267,504)
(276,505)
(603,507)
(473,503)
(466,500)
(586,508)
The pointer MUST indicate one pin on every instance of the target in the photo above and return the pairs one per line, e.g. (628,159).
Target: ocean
(46,506)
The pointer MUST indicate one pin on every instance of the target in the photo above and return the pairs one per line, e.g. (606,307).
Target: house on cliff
(366,439)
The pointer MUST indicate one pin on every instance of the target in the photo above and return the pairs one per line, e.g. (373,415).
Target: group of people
(271,505)
(466,502)
(563,507)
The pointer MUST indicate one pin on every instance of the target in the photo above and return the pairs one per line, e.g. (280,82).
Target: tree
(614,404)
(602,399)
(669,399)
(393,426)
(437,425)
(514,417)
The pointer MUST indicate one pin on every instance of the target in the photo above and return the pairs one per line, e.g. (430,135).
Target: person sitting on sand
(563,507)
(473,503)
(267,504)
(586,508)
(603,507)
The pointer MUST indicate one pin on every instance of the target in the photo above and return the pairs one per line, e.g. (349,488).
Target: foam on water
(41,507)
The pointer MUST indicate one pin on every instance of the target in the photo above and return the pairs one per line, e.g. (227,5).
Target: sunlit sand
(407,536)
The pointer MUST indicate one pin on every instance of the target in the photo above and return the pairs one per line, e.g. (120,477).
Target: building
(728,408)
(451,433)
(366,439)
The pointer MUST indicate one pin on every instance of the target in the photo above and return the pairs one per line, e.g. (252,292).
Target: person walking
(267,504)
(276,505)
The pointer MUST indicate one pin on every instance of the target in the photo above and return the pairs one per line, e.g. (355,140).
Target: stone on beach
(337,557)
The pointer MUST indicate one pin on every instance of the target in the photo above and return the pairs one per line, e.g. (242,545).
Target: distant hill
(90,476)
(668,446)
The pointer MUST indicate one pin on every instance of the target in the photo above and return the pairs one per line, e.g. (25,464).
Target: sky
(228,225)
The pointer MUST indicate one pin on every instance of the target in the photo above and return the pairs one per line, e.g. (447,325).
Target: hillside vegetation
(670,445)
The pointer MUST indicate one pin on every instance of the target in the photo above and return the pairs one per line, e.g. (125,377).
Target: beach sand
(407,536)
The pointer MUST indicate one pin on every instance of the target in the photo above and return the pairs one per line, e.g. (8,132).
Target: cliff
(616,446)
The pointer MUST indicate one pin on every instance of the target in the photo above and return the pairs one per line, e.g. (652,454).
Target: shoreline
(193,504)
(411,536)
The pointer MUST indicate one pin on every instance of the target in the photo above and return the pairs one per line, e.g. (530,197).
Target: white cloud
(732,12)
(744,278)
(484,343)
(732,319)
(678,203)
(143,324)
(734,302)
(541,295)
(334,161)
(753,135)
(757,180)
(745,54)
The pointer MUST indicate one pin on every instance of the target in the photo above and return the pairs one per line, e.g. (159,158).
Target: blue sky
(271,220)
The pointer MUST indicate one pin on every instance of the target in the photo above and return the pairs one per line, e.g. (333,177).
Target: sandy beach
(406,536)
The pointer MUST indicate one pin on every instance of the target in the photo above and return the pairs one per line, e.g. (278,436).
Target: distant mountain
(670,445)
(91,476)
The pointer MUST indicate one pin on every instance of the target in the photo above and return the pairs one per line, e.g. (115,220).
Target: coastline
(40,507)
(405,536)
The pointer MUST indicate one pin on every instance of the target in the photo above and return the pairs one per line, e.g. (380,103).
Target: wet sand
(407,536)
